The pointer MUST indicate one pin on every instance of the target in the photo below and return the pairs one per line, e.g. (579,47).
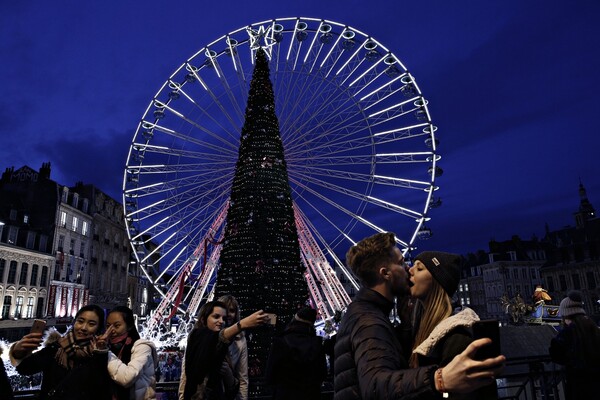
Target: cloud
(89,157)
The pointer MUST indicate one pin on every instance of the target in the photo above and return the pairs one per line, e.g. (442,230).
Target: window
(75,200)
(2,268)
(30,240)
(25,219)
(61,242)
(84,228)
(12,272)
(576,281)
(44,277)
(72,246)
(34,275)
(591,280)
(6,306)
(43,243)
(85,206)
(40,307)
(74,224)
(23,275)
(19,307)
(63,219)
(563,282)
(82,249)
(13,231)
(13,215)
(65,194)
(29,312)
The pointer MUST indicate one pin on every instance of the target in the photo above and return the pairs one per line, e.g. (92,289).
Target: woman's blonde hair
(437,306)
(230,301)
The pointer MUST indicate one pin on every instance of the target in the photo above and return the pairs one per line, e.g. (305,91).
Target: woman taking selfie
(440,334)
(73,366)
(205,375)
(132,361)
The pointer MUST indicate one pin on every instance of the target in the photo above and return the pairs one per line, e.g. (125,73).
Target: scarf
(71,350)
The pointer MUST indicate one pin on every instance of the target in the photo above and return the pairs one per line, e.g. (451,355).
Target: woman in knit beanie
(440,334)
(577,347)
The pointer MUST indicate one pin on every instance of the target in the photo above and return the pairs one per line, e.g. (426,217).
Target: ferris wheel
(359,142)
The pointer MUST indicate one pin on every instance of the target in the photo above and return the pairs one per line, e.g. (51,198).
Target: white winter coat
(139,373)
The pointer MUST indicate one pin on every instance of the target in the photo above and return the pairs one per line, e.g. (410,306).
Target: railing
(534,378)
(531,378)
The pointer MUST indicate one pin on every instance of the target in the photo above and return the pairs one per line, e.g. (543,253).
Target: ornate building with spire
(576,257)
(563,260)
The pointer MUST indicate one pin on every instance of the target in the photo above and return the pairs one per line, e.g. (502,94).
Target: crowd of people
(431,354)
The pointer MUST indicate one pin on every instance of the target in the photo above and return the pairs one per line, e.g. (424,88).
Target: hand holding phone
(39,325)
(487,329)
(272,318)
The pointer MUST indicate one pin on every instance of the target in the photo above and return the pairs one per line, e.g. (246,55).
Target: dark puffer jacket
(296,367)
(88,379)
(369,361)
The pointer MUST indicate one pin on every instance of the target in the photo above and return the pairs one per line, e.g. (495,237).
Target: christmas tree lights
(260,260)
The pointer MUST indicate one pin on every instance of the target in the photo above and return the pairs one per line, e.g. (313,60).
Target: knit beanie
(443,267)
(571,305)
(307,315)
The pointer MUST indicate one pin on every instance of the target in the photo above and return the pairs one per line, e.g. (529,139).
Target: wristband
(239,325)
(440,382)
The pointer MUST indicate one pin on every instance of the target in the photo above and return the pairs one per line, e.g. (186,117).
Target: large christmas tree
(260,260)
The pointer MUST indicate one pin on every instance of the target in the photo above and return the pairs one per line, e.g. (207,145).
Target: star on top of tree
(266,35)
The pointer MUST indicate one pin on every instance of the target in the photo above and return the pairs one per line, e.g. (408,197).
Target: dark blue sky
(511,85)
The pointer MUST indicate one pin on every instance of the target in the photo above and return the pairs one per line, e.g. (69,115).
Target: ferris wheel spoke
(323,243)
(174,203)
(380,179)
(209,116)
(341,190)
(207,179)
(186,138)
(354,216)
(182,239)
(208,157)
(322,102)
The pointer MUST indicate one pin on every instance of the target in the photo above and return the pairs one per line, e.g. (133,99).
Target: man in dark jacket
(369,358)
(297,367)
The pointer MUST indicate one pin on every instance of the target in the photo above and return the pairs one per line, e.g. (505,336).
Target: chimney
(7,174)
(45,171)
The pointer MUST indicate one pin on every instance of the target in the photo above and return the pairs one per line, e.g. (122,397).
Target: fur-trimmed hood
(464,318)
(51,336)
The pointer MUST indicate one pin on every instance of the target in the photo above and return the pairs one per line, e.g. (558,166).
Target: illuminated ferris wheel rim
(265,36)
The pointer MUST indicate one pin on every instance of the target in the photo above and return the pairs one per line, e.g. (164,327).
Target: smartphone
(272,318)
(488,328)
(38,326)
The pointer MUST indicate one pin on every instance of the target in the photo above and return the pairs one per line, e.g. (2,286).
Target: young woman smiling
(207,345)
(73,366)
(132,360)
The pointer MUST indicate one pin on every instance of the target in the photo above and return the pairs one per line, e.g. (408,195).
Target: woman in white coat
(132,360)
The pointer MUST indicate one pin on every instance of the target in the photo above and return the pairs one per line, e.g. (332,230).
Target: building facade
(61,248)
